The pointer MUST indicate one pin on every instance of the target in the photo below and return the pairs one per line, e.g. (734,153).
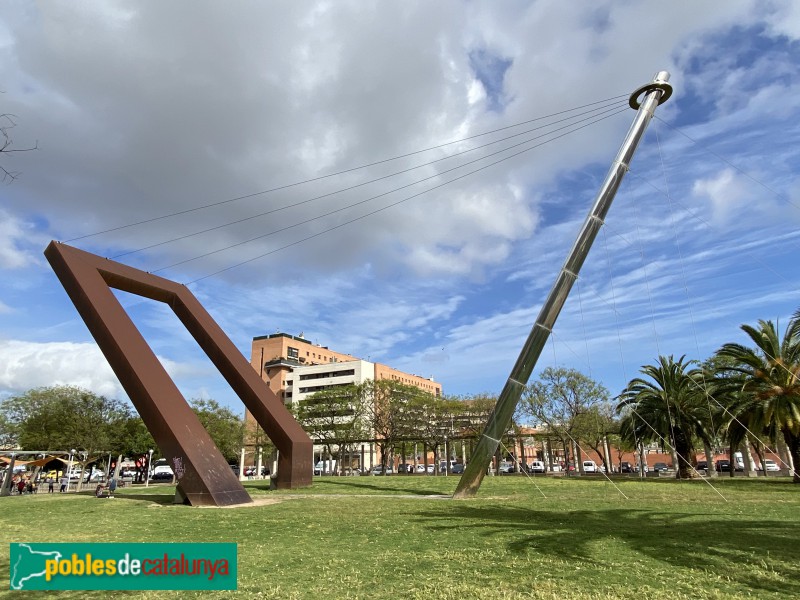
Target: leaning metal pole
(654,93)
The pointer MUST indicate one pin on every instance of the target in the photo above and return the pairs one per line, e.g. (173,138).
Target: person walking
(64,482)
(21,486)
(51,484)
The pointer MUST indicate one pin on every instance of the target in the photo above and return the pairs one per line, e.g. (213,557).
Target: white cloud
(728,193)
(147,109)
(13,235)
(25,365)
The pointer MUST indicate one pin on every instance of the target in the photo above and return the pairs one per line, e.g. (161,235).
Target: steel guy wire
(342,172)
(603,110)
(371,212)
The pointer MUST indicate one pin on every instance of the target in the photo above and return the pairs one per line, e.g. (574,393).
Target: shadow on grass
(734,548)
(358,483)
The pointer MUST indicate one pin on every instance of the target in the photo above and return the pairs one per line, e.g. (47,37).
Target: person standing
(64,482)
(112,487)
(51,484)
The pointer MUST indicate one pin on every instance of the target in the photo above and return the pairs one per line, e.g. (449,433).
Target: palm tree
(769,376)
(668,405)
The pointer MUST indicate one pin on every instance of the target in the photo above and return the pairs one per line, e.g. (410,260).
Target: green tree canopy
(769,376)
(64,417)
(225,428)
(559,399)
(667,405)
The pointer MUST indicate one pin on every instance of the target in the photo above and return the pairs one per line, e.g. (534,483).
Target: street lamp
(147,470)
(446,457)
(69,469)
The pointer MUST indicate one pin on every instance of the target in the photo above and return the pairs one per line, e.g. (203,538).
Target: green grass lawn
(397,537)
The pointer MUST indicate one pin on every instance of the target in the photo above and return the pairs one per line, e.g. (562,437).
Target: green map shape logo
(27,563)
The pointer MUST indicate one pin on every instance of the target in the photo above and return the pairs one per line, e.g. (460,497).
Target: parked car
(457,469)
(589,466)
(701,465)
(626,467)
(506,468)
(378,470)
(405,469)
(94,476)
(660,467)
(771,465)
(536,466)
(430,469)
(723,465)
(419,469)
(161,476)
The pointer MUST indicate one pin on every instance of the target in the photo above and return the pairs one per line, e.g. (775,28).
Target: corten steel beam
(207,479)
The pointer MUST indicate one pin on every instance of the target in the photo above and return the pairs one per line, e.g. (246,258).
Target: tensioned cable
(382,208)
(577,445)
(582,449)
(730,164)
(603,110)
(678,454)
(704,387)
(624,370)
(683,273)
(519,466)
(342,172)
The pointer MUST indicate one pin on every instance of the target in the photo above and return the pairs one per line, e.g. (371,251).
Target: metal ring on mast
(664,86)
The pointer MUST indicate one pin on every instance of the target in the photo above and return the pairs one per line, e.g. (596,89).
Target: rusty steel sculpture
(204,477)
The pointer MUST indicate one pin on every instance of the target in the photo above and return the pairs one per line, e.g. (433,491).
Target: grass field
(399,537)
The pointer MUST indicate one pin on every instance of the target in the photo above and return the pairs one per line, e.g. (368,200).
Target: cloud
(14,234)
(149,109)
(25,365)
(232,119)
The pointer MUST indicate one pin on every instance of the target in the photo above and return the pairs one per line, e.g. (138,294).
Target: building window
(293,352)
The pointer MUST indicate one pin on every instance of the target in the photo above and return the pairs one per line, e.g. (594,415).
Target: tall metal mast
(654,93)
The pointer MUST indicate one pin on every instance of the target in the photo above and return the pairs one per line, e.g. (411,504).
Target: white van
(589,466)
(536,466)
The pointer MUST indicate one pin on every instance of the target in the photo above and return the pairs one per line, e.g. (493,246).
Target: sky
(436,256)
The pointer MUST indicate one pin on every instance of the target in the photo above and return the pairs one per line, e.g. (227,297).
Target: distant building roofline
(280,334)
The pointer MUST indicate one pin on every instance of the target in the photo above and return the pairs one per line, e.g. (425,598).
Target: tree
(386,412)
(134,440)
(7,123)
(559,399)
(431,421)
(224,427)
(594,426)
(256,437)
(61,417)
(769,377)
(65,417)
(668,405)
(335,418)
